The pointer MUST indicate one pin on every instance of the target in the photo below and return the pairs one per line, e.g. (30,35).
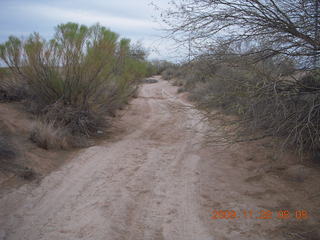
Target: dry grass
(48,135)
(12,89)
(7,151)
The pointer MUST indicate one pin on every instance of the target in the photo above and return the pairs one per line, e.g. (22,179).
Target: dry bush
(149,80)
(170,73)
(287,27)
(267,103)
(178,82)
(49,135)
(181,90)
(161,65)
(4,72)
(7,151)
(77,121)
(246,72)
(269,97)
(8,159)
(12,89)
(228,89)
(289,109)
(167,74)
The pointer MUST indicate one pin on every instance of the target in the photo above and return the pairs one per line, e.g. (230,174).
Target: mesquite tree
(287,27)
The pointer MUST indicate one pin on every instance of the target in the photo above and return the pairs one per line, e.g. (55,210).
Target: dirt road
(153,182)
(143,186)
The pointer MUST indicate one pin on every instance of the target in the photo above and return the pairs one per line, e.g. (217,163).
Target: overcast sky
(130,18)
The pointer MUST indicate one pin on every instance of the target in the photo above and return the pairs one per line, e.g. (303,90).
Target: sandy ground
(158,180)
(17,123)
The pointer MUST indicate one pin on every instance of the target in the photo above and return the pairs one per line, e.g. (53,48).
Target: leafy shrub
(76,78)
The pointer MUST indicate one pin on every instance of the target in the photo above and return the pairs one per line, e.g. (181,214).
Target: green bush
(78,77)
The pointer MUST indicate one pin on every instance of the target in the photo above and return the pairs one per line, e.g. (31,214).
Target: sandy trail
(156,181)
(144,186)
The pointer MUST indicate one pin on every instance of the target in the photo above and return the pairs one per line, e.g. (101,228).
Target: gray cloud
(132,19)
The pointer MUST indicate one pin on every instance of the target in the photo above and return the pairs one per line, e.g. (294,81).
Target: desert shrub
(167,74)
(49,134)
(7,151)
(4,72)
(227,89)
(267,101)
(289,109)
(228,83)
(178,82)
(269,97)
(181,90)
(150,80)
(161,65)
(8,158)
(78,121)
(12,89)
(170,73)
(310,82)
(76,78)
